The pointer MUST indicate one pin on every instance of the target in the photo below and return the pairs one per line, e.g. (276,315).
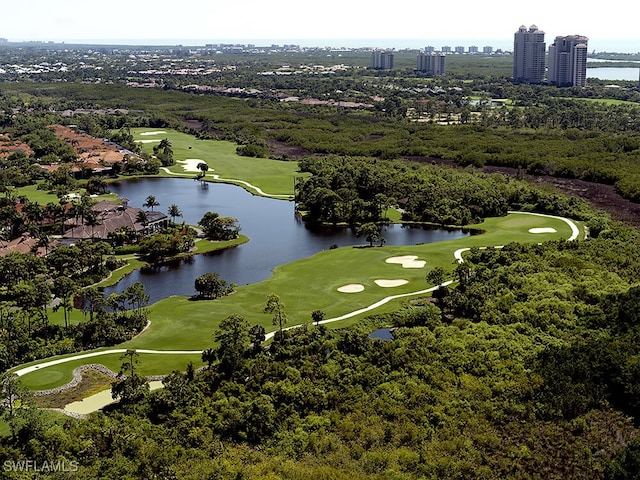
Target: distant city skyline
(330,23)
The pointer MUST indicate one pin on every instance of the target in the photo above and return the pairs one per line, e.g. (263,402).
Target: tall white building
(382,60)
(568,61)
(433,63)
(529,52)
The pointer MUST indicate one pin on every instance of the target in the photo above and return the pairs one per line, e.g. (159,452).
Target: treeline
(359,190)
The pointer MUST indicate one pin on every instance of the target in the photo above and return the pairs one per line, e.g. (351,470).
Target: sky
(355,22)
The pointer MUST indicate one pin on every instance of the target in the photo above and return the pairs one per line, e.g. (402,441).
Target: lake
(277,235)
(614,73)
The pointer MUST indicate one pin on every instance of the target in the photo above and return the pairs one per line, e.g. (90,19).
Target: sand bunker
(155,140)
(158,132)
(407,261)
(351,288)
(100,400)
(191,164)
(391,283)
(543,230)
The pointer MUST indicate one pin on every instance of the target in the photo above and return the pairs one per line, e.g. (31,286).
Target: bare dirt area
(283,150)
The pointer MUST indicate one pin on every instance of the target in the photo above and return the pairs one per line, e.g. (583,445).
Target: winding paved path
(575,231)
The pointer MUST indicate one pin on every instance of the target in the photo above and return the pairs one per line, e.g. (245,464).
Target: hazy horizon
(598,45)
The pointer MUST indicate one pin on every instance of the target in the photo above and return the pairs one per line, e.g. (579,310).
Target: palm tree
(151,202)
(174,211)
(91,220)
(204,168)
(142,218)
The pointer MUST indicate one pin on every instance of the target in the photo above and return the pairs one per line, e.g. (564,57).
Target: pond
(382,334)
(277,235)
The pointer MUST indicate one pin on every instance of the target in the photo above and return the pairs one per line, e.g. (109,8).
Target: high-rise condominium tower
(433,63)
(528,55)
(568,61)
(382,60)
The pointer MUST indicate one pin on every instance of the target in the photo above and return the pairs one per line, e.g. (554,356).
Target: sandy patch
(543,230)
(191,164)
(351,288)
(391,283)
(407,261)
(149,141)
(158,132)
(99,400)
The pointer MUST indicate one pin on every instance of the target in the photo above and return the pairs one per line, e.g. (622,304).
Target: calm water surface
(277,235)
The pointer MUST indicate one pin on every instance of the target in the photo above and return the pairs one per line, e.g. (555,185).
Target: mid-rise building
(487,49)
(459,49)
(430,49)
(433,63)
(529,52)
(472,49)
(446,49)
(382,60)
(568,61)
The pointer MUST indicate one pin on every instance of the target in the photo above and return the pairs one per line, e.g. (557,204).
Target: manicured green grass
(274,177)
(149,364)
(178,323)
(43,196)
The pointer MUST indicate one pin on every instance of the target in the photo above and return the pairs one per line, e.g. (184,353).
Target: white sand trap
(351,288)
(543,230)
(158,132)
(155,140)
(407,261)
(391,283)
(100,400)
(191,164)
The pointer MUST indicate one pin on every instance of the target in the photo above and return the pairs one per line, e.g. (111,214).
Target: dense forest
(526,366)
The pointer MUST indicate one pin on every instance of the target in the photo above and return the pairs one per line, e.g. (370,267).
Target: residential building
(429,49)
(529,52)
(446,49)
(472,49)
(459,49)
(568,61)
(111,217)
(487,49)
(433,63)
(382,60)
